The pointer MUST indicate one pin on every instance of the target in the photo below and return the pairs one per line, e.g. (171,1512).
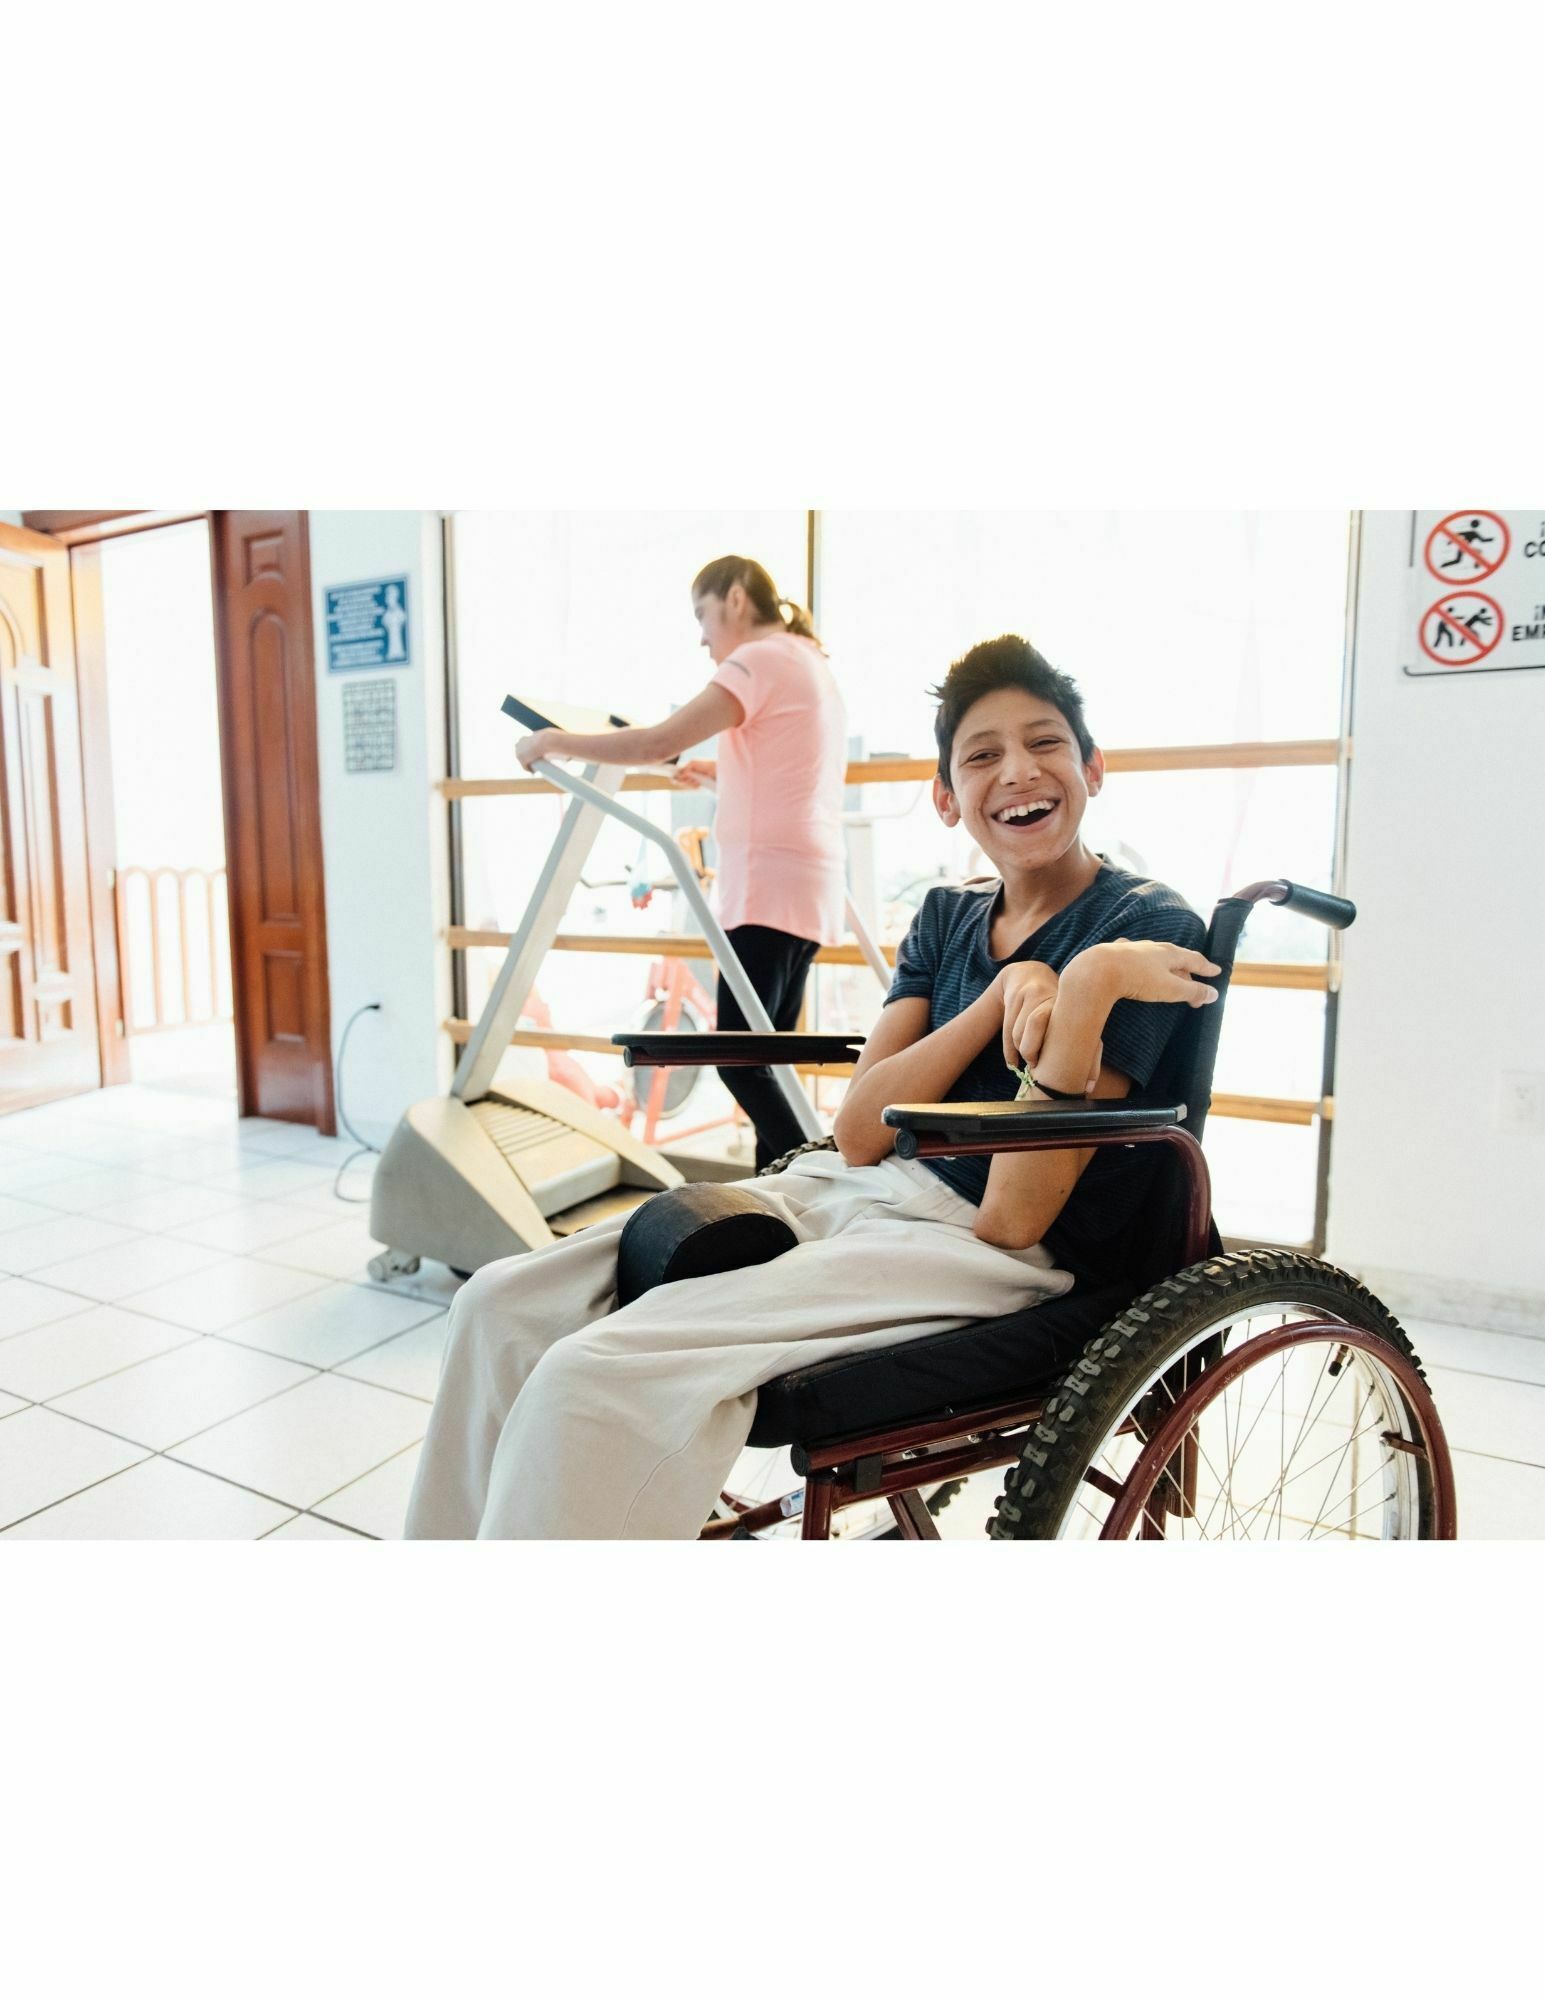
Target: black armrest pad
(738,1049)
(1034,1119)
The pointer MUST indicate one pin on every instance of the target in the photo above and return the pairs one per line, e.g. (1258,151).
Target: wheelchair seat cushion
(693,1232)
(967,1368)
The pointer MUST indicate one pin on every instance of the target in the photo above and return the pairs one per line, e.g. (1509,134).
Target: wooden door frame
(81,532)
(73,529)
(28,539)
(306,781)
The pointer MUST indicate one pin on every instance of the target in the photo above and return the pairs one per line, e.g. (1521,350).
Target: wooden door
(268,732)
(48,1019)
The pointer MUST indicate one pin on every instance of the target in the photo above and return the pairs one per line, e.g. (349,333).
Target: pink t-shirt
(778,823)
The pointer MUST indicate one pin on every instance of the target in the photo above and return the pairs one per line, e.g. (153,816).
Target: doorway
(206,726)
(170,893)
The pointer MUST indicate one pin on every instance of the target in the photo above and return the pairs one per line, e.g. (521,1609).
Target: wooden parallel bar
(1267,1110)
(1271,1110)
(641,947)
(1285,978)
(919,770)
(1295,978)
(603,1045)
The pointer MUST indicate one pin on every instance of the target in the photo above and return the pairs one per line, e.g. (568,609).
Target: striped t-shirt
(946,958)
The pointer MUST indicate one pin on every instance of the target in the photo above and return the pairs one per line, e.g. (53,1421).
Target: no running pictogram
(1468,546)
(1461,629)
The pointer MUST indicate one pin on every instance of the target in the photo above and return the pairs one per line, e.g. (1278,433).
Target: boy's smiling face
(1018,781)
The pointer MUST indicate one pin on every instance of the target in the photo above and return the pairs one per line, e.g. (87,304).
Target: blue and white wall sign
(367,625)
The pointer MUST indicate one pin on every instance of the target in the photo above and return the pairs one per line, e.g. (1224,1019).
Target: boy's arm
(1026,1192)
(903,1064)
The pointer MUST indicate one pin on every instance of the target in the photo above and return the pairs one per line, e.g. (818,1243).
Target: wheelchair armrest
(927,1130)
(734,1049)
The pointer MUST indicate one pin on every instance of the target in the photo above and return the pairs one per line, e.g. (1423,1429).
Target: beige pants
(559,1415)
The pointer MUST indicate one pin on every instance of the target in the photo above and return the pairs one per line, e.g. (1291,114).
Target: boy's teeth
(1012,813)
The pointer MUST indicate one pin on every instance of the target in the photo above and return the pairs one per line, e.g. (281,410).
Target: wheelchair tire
(935,1500)
(1089,1449)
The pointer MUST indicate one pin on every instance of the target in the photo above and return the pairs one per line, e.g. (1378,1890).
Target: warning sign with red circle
(1461,629)
(1467,547)
(1490,566)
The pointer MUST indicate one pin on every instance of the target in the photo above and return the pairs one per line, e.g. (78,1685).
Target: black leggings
(776,964)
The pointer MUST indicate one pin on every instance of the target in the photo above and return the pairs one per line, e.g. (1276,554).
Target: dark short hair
(1001,663)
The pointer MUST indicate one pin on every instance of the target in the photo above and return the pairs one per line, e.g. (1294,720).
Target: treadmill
(488,1171)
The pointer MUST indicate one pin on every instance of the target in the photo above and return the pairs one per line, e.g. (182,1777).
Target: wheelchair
(1205,1395)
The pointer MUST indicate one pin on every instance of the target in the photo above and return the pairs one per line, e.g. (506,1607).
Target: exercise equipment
(488,1171)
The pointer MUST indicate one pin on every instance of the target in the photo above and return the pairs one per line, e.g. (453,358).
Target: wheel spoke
(1310,1417)
(1339,1527)
(1336,1468)
(1240,1520)
(1331,1474)
(1277,1491)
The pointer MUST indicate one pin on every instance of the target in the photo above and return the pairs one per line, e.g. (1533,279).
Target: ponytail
(798,620)
(718,579)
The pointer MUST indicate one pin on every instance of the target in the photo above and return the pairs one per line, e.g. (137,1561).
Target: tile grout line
(190,1337)
(47,1402)
(1497,1457)
(166,1451)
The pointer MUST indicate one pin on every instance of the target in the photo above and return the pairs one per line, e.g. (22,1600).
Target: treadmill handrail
(723,951)
(873,957)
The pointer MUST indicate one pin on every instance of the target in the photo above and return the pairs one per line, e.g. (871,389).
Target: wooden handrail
(1225,1104)
(603,1045)
(1259,972)
(919,770)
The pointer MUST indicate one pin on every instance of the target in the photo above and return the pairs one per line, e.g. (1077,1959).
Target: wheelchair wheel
(1261,1395)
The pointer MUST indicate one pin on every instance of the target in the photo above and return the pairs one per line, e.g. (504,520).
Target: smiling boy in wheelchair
(561,1413)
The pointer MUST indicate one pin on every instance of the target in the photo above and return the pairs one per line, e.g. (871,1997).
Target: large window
(1181,629)
(593,609)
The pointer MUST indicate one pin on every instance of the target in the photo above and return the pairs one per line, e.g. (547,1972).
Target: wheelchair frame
(894,1462)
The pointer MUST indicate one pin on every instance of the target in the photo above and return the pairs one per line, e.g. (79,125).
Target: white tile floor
(190,1346)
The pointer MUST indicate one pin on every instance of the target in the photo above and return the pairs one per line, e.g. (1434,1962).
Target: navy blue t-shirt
(946,959)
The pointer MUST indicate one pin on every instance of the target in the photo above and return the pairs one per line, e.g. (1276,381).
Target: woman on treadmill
(782,730)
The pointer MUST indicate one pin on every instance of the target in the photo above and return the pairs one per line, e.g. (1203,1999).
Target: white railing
(174,951)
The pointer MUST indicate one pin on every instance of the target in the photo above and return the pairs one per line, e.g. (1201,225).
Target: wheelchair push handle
(1334,911)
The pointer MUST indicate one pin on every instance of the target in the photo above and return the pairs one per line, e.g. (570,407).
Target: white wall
(1441,1211)
(384,832)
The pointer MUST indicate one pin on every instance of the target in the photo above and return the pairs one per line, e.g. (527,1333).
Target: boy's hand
(697,771)
(1145,969)
(1029,992)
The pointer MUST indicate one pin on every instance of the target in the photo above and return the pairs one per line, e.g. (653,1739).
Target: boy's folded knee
(476,1293)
